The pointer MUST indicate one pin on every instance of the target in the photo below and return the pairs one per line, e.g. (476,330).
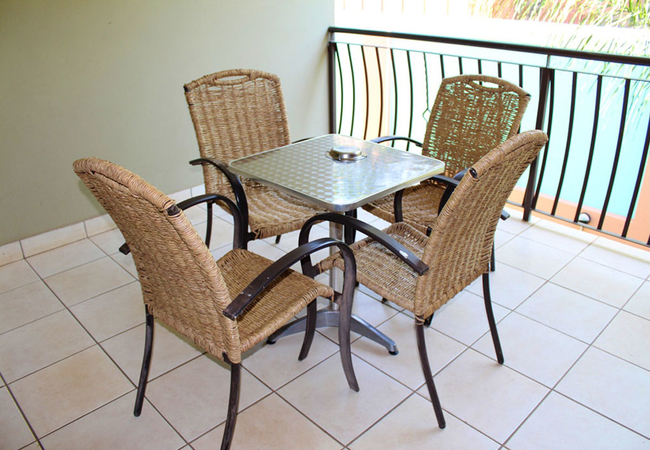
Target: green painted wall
(90,78)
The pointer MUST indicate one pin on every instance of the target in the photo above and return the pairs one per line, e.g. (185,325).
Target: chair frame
(536,140)
(238,306)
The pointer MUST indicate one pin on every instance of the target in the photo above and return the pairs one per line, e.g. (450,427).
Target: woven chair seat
(421,209)
(272,212)
(382,271)
(278,304)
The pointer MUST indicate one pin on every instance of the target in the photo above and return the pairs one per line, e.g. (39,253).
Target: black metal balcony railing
(595,108)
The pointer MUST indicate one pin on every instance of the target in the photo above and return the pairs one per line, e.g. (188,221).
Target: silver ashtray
(346,153)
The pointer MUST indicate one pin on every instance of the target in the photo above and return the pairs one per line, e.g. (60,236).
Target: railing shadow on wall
(594,171)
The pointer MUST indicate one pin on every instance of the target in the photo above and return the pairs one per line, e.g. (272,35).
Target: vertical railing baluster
(460,65)
(637,185)
(480,66)
(565,161)
(541,115)
(365,74)
(592,146)
(331,98)
(617,156)
(442,66)
(545,152)
(392,59)
(354,91)
(381,92)
(408,58)
(341,86)
(499,70)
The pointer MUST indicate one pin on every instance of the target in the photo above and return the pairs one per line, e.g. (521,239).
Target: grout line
(22,413)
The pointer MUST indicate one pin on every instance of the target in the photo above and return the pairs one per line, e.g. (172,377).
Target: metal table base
(327,317)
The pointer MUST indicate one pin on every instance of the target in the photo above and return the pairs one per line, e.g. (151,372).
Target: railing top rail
(605,57)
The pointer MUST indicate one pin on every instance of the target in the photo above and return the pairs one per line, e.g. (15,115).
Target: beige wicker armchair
(237,113)
(225,306)
(421,273)
(471,115)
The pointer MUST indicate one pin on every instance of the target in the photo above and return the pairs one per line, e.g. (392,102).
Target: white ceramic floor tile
(278,364)
(64,258)
(109,241)
(115,427)
(270,424)
(562,423)
(405,366)
(53,239)
(109,314)
(265,249)
(222,233)
(628,337)
(323,395)
(194,397)
(639,304)
(464,319)
(413,425)
(126,262)
(26,304)
(169,351)
(532,257)
(597,281)
(612,387)
(502,237)
(619,256)
(567,311)
(488,396)
(559,236)
(69,389)
(15,275)
(40,343)
(87,281)
(13,429)
(508,286)
(515,224)
(533,349)
(10,253)
(99,225)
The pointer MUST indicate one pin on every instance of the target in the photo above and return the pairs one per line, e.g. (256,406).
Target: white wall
(105,78)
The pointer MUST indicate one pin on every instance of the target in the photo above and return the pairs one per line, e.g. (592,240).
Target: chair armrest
(381,139)
(235,184)
(250,292)
(387,241)
(239,233)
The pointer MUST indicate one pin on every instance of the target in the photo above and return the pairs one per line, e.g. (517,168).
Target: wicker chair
(225,306)
(421,273)
(471,115)
(237,113)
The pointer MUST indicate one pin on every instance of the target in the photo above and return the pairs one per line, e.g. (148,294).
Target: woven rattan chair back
(181,283)
(471,115)
(236,113)
(459,247)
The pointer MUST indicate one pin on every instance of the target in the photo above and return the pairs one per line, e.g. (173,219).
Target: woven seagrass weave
(182,284)
(459,247)
(237,113)
(471,115)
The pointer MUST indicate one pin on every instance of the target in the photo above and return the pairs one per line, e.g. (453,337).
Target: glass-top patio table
(338,173)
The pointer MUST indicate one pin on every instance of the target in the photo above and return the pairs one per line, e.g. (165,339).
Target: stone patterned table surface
(306,170)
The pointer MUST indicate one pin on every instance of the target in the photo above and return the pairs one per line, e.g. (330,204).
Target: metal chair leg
(428,376)
(310,329)
(277,238)
(490,315)
(146,362)
(428,320)
(208,227)
(233,405)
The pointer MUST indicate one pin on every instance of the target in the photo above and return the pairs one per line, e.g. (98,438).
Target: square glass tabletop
(307,170)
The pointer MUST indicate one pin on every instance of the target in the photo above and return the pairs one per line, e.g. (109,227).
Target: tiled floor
(574,319)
